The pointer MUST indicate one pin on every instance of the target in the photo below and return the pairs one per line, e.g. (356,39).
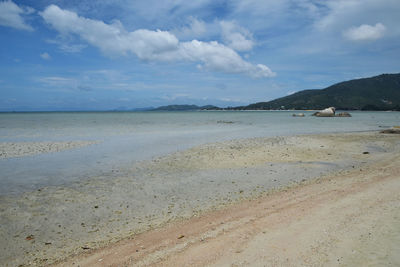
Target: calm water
(127,137)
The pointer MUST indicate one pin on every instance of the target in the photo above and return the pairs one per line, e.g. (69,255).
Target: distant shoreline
(222,109)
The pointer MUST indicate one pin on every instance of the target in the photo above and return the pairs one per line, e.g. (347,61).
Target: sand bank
(50,224)
(22,149)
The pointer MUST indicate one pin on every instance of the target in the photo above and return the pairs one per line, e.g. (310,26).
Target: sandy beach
(349,219)
(286,201)
(199,133)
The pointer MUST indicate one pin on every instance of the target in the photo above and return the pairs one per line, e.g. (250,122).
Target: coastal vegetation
(375,93)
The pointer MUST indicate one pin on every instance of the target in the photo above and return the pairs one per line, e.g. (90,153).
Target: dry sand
(258,201)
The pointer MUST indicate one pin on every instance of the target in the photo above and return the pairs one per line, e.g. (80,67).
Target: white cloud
(112,39)
(365,32)
(72,48)
(152,10)
(66,44)
(195,29)
(52,80)
(327,26)
(261,7)
(11,16)
(340,15)
(216,56)
(45,56)
(236,37)
(58,82)
(105,76)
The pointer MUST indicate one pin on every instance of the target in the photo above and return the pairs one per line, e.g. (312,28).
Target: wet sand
(23,149)
(350,219)
(177,190)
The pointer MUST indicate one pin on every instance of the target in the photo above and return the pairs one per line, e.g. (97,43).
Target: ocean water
(127,137)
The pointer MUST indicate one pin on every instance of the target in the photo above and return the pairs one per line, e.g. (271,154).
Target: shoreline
(348,218)
(101,211)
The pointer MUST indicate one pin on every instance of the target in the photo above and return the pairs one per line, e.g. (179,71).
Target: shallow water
(127,137)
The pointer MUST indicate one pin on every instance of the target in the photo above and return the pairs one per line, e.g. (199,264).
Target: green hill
(376,93)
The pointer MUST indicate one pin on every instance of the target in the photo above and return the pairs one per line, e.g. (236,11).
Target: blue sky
(100,55)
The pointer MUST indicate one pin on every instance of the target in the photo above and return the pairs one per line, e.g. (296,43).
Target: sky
(120,54)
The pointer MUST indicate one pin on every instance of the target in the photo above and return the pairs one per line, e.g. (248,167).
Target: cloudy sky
(100,55)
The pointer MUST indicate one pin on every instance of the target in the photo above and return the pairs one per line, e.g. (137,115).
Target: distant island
(185,108)
(376,93)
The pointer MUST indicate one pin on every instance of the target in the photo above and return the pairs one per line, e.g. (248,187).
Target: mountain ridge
(185,108)
(380,92)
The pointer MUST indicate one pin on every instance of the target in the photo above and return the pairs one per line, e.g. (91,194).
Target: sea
(124,138)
